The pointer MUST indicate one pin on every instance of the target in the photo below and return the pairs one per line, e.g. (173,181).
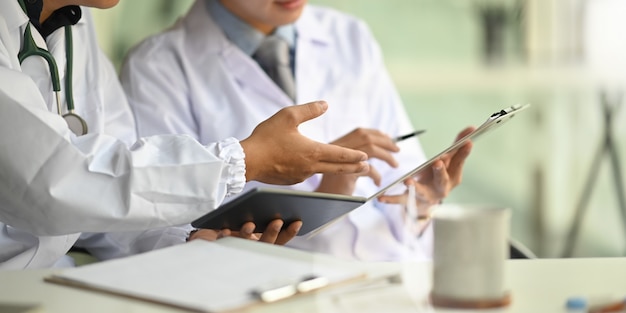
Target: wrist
(249,160)
(191,235)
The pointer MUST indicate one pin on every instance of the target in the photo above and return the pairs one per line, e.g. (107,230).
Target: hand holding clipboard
(457,152)
(433,184)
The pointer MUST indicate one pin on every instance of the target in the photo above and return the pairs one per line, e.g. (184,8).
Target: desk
(541,285)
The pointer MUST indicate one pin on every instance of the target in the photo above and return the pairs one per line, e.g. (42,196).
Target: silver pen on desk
(409,135)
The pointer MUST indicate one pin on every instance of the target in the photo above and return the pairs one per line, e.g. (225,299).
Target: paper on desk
(202,276)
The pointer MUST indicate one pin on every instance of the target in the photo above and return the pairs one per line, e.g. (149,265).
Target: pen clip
(506,111)
(498,114)
(275,292)
(312,283)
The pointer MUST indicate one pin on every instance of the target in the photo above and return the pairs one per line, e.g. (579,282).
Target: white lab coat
(54,185)
(192,80)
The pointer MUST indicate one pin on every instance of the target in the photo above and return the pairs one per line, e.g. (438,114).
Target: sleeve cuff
(234,175)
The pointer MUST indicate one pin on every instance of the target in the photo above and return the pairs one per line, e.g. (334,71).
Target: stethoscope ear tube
(76,123)
(30,48)
(69,56)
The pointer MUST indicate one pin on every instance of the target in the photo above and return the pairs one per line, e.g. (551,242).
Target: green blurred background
(450,77)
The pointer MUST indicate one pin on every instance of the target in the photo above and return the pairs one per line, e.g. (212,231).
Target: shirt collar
(240,33)
(65,16)
(69,15)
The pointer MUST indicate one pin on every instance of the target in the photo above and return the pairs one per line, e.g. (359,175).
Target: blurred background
(559,166)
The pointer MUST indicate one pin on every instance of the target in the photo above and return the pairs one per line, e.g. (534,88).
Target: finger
(338,154)
(375,176)
(371,141)
(376,138)
(448,156)
(271,231)
(382,154)
(455,168)
(361,168)
(288,233)
(440,180)
(465,132)
(299,114)
(393,199)
(224,233)
(247,230)
(206,234)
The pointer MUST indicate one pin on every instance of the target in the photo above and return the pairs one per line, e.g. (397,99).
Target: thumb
(304,112)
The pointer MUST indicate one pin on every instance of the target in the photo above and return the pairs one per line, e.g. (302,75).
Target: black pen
(409,135)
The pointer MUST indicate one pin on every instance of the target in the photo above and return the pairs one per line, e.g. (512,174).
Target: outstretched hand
(276,152)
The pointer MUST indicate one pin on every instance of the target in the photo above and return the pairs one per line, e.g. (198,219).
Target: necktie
(273,57)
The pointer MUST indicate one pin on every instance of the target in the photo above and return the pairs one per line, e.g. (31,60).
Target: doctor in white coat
(55,184)
(198,78)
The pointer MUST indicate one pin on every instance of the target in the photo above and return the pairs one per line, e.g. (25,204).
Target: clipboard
(227,275)
(316,209)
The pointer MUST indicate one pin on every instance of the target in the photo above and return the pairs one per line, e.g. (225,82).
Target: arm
(48,175)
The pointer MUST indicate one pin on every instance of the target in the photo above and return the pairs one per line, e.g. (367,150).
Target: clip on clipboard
(318,210)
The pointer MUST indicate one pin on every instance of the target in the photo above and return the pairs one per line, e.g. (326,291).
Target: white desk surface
(541,285)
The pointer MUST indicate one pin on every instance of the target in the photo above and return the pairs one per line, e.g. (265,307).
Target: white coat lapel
(250,76)
(11,33)
(312,57)
(207,37)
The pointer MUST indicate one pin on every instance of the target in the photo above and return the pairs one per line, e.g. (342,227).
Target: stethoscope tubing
(76,123)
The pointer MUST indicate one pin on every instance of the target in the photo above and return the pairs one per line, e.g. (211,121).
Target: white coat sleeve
(105,246)
(52,183)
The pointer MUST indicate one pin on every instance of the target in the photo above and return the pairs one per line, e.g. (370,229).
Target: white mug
(470,252)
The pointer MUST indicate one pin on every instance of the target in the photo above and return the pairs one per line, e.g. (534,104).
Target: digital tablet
(263,205)
(315,209)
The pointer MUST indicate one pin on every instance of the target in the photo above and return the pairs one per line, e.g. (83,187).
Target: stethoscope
(76,123)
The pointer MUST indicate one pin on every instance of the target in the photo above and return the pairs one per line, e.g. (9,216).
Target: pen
(409,135)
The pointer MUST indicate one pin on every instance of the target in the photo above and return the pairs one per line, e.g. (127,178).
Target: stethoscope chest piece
(76,123)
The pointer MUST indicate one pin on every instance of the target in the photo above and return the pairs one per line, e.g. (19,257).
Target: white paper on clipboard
(494,121)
